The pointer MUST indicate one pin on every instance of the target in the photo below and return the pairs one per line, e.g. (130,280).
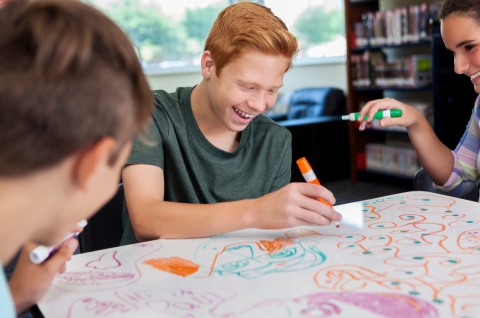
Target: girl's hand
(410,116)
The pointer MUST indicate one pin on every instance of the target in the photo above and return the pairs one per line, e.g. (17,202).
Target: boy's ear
(88,160)
(207,65)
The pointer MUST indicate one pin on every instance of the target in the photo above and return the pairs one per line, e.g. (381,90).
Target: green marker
(378,115)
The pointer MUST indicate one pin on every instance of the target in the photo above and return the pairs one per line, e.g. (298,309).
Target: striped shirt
(464,177)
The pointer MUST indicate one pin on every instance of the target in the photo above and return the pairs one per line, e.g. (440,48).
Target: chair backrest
(422,182)
(105,228)
(316,102)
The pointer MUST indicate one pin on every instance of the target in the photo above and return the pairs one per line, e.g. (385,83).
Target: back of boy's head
(69,76)
(470,8)
(248,26)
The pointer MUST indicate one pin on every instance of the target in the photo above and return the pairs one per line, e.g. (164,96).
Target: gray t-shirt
(195,171)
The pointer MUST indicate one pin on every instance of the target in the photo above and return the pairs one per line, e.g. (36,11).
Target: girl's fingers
(374,106)
(391,121)
(371,112)
(365,110)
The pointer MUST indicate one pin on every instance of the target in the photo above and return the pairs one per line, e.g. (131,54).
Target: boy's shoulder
(267,124)
(165,99)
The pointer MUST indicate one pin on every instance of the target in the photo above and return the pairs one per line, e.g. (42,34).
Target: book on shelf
(3,2)
(395,27)
(371,70)
(401,160)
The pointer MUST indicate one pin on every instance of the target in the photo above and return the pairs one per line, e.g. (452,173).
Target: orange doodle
(296,233)
(276,245)
(174,265)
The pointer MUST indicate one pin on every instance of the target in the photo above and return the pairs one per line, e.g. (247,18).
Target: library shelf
(385,174)
(406,89)
(358,2)
(378,48)
(448,89)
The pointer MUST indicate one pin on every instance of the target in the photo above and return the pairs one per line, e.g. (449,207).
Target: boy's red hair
(249,26)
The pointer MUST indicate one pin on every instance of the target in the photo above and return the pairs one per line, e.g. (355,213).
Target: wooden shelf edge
(385,174)
(353,3)
(377,48)
(379,90)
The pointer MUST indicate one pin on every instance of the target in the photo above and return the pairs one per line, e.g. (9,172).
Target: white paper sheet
(414,255)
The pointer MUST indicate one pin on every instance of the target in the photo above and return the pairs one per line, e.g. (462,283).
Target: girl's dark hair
(69,76)
(470,8)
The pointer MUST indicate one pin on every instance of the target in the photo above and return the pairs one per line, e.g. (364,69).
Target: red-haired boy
(219,165)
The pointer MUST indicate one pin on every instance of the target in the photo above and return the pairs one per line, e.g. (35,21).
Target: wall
(301,76)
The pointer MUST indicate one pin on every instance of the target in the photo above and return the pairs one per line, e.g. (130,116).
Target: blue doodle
(254,258)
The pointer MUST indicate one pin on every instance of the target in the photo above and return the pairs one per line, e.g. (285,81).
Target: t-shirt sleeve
(147,147)
(464,176)
(284,173)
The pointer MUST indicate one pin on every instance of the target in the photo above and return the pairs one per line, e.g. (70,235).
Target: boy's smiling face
(246,87)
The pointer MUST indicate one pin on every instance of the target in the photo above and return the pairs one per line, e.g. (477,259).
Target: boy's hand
(410,116)
(30,282)
(294,205)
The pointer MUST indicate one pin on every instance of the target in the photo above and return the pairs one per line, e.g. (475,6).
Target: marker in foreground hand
(41,253)
(388,113)
(310,177)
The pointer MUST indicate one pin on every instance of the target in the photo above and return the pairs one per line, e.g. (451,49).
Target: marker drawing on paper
(410,255)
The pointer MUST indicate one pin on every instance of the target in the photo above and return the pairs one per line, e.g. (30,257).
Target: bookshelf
(447,90)
(377,48)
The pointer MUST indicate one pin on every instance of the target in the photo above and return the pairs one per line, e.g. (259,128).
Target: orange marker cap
(309,175)
(304,165)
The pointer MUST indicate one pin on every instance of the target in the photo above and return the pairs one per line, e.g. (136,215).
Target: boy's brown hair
(69,76)
(248,26)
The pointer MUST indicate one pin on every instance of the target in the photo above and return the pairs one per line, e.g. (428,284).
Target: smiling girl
(455,171)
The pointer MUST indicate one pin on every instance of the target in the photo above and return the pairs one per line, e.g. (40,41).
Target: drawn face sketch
(252,258)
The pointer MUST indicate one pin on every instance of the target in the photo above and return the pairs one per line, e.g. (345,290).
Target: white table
(415,254)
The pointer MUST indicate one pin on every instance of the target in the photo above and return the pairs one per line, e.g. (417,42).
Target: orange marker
(310,177)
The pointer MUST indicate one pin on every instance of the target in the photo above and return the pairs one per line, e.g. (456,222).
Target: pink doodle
(105,261)
(92,278)
(85,281)
(180,302)
(98,308)
(327,304)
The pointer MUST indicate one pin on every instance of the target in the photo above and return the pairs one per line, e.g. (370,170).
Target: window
(171,34)
(318,25)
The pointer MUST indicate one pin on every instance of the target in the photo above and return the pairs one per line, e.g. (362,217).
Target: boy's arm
(153,218)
